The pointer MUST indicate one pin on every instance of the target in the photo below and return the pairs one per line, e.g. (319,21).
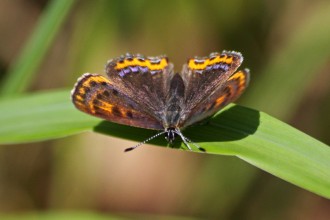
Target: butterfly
(146,92)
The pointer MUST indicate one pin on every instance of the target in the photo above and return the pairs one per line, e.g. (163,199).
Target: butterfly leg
(186,140)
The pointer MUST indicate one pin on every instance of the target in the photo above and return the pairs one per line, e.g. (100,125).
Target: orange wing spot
(82,90)
(145,63)
(220,100)
(107,109)
(241,77)
(80,105)
(96,79)
(105,106)
(219,59)
(78,98)
(238,75)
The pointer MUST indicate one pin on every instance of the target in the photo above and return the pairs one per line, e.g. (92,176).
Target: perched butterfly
(145,92)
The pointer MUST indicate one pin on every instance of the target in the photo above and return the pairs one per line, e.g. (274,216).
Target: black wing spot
(96,102)
(211,106)
(114,92)
(129,114)
(99,96)
(92,83)
(115,110)
(106,93)
(227,90)
(86,89)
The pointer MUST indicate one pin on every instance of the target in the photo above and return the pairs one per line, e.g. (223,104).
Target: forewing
(96,95)
(226,93)
(202,76)
(144,79)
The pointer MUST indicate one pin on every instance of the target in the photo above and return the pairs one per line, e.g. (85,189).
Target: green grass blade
(21,72)
(42,116)
(253,136)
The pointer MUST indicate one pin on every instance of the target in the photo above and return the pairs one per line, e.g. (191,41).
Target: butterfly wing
(202,76)
(227,93)
(211,84)
(96,95)
(145,80)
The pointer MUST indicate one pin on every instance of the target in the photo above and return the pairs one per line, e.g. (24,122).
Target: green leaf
(251,135)
(22,71)
(41,116)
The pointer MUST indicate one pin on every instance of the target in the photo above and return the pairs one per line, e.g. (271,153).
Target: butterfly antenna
(186,140)
(145,141)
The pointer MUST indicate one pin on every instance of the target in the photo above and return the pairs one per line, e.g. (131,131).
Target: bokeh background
(284,45)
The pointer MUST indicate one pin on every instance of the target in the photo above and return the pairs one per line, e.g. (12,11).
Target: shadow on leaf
(230,124)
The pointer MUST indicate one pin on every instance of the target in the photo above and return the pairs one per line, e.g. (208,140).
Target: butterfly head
(170,134)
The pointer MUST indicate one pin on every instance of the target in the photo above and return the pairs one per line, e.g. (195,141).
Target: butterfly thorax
(174,103)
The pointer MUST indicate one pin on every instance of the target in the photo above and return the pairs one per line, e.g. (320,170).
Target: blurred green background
(286,46)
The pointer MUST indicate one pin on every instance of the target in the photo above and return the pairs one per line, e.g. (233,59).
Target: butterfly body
(146,92)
